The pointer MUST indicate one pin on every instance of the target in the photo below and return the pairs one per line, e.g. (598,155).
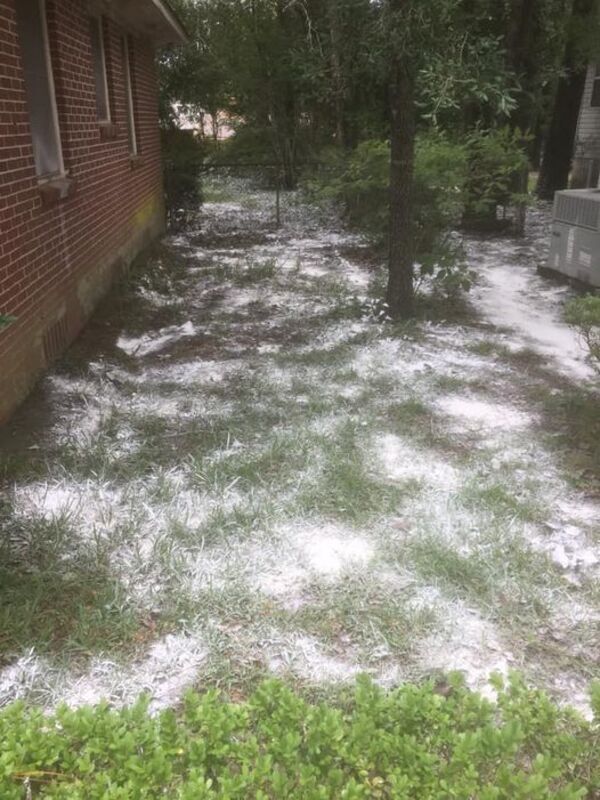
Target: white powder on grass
(306,657)
(171,666)
(467,643)
(399,461)
(154,342)
(474,413)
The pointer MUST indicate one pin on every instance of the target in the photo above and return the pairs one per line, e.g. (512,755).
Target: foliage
(193,76)
(583,313)
(183,156)
(413,742)
(360,184)
(6,320)
(495,160)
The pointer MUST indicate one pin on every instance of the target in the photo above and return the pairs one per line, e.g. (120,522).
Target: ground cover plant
(240,472)
(431,741)
(583,313)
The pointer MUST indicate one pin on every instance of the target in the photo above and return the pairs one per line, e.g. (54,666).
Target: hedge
(419,741)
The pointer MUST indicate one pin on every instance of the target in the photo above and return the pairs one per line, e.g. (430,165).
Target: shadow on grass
(55,596)
(571,420)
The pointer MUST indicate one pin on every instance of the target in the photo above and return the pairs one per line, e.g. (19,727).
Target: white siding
(587,142)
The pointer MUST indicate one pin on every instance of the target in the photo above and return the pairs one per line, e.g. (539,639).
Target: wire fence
(186,189)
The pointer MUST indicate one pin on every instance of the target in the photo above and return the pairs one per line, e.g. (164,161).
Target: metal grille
(581,211)
(55,339)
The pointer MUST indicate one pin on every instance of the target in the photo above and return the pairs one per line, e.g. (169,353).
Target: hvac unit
(575,246)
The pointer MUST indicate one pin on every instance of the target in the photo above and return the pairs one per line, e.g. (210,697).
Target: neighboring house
(586,158)
(80,173)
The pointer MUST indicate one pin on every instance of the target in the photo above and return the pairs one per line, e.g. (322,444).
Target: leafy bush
(183,156)
(360,184)
(415,742)
(495,160)
(583,314)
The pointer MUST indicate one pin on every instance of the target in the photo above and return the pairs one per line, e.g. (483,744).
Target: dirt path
(236,473)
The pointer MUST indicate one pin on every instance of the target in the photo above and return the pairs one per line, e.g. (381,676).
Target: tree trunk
(558,151)
(522,58)
(400,289)
(339,90)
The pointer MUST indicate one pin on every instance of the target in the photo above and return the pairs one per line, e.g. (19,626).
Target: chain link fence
(187,188)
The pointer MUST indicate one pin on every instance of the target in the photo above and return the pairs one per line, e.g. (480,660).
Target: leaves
(412,742)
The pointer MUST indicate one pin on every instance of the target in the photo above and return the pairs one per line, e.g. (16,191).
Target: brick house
(80,173)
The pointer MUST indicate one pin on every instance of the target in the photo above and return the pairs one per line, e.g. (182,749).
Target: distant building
(218,127)
(80,171)
(586,158)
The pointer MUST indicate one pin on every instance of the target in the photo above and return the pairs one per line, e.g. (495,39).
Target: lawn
(237,472)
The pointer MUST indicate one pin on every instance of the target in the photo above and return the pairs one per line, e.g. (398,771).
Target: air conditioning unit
(575,246)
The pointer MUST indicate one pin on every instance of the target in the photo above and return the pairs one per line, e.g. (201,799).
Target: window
(39,87)
(133,147)
(99,62)
(596,88)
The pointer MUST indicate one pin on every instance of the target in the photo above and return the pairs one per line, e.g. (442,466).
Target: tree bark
(400,290)
(339,89)
(558,150)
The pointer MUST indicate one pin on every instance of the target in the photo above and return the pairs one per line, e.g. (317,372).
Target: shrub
(583,314)
(360,184)
(6,320)
(415,742)
(495,161)
(183,156)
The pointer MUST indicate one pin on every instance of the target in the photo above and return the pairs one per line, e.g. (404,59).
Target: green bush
(183,157)
(495,161)
(360,184)
(416,742)
(583,314)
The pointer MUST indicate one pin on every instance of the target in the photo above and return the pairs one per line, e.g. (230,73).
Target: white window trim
(98,18)
(44,178)
(129,97)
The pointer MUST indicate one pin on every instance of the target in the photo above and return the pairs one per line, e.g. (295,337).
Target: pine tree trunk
(400,290)
(558,150)
(339,90)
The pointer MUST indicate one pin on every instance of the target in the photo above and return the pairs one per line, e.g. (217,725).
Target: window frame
(129,99)
(98,20)
(45,177)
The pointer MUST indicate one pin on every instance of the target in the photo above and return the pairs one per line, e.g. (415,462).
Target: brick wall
(57,259)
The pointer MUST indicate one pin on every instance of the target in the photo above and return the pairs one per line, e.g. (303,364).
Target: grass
(337,613)
(498,500)
(208,477)
(58,595)
(253,271)
(499,573)
(571,425)
(342,487)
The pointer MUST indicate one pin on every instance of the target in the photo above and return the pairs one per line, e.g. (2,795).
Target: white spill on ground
(272,480)
(511,295)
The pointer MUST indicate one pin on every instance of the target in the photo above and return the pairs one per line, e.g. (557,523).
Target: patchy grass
(498,500)
(281,489)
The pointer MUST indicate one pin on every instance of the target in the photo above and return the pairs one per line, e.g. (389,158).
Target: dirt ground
(237,471)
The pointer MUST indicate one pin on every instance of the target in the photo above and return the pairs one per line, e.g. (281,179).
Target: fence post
(278,200)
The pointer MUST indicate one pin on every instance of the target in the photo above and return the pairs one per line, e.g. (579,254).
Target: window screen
(99,62)
(39,86)
(133,147)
